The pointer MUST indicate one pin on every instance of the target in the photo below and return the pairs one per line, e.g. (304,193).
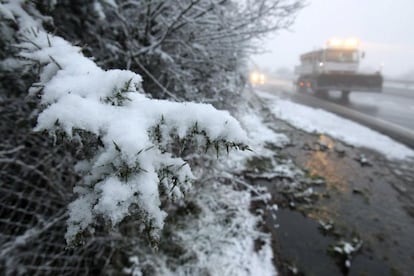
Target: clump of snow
(111,3)
(347,249)
(316,120)
(13,10)
(6,13)
(135,132)
(99,10)
(259,135)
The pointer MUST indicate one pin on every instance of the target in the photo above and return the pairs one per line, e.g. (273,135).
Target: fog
(384,27)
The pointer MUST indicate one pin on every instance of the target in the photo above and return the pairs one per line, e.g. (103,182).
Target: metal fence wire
(36,181)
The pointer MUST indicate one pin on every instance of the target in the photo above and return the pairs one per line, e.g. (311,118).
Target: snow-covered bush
(134,151)
(132,166)
(135,164)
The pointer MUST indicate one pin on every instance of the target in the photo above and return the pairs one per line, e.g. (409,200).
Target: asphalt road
(390,112)
(394,105)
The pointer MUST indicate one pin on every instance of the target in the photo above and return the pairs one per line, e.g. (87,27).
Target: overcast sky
(385,28)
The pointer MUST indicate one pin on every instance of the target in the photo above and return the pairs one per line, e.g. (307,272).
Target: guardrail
(401,81)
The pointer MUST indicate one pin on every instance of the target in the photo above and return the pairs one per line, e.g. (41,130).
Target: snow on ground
(258,135)
(77,94)
(316,120)
(220,241)
(222,238)
(127,170)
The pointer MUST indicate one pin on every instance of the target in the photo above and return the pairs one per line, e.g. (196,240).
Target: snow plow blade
(350,82)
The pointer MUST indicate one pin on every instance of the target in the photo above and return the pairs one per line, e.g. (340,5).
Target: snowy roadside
(134,177)
(316,120)
(264,139)
(214,231)
(322,169)
(221,234)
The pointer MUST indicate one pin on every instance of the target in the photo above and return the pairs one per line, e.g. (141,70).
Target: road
(373,204)
(394,105)
(390,112)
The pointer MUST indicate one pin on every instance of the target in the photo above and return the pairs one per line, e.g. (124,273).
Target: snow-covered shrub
(132,146)
(134,165)
(131,167)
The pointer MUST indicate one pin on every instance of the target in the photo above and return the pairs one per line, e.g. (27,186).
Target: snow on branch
(133,168)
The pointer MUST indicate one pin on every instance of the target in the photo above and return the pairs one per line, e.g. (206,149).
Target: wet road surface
(393,104)
(338,198)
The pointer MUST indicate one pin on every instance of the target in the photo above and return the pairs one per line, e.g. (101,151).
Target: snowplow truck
(335,67)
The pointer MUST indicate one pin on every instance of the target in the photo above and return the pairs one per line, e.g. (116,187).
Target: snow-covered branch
(184,47)
(134,166)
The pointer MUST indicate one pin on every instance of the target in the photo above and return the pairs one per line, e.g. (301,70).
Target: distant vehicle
(335,67)
(257,78)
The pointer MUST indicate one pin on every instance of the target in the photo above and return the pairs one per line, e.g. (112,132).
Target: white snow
(99,10)
(13,10)
(6,13)
(320,121)
(111,3)
(258,135)
(221,239)
(78,95)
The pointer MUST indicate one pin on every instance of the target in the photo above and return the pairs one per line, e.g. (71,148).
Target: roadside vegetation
(111,135)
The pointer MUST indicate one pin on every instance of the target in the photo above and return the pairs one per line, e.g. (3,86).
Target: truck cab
(335,67)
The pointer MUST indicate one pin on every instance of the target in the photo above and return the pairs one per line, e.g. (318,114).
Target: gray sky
(385,28)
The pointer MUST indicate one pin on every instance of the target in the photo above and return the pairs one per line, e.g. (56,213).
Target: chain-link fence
(36,181)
